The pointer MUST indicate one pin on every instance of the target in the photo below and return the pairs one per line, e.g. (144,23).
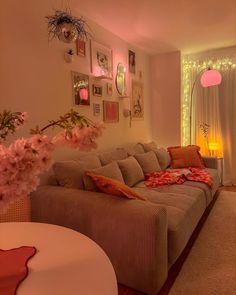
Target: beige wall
(165,110)
(35,78)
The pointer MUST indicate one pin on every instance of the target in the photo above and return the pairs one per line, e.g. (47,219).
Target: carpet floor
(210,268)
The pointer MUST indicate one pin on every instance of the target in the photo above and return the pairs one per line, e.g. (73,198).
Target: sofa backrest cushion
(134,149)
(163,157)
(48,178)
(108,157)
(149,146)
(131,171)
(186,156)
(70,173)
(148,161)
(110,170)
(114,187)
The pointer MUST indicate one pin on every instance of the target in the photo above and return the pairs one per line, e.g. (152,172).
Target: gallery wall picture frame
(96,109)
(101,60)
(80,88)
(81,47)
(97,90)
(110,111)
(109,89)
(137,100)
(132,61)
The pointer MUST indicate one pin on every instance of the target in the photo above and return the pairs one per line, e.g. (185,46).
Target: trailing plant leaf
(10,122)
(60,17)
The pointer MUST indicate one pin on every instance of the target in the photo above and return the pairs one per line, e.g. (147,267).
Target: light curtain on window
(227,102)
(206,108)
(215,106)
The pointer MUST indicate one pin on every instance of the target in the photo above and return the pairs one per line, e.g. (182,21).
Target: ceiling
(166,25)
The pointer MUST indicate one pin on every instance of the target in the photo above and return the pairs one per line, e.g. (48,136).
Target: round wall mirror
(120,79)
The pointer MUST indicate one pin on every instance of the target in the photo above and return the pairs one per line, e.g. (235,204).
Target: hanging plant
(66,28)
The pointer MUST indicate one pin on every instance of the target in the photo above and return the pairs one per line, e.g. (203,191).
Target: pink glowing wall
(34,76)
(166,98)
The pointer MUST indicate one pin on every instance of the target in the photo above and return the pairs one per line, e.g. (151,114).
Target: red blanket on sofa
(178,176)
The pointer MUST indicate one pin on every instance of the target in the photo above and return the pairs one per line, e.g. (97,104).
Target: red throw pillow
(114,187)
(186,156)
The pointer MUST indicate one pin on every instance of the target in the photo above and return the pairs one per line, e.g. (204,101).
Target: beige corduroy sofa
(142,239)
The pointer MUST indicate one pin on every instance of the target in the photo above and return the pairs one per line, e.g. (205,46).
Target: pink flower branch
(25,159)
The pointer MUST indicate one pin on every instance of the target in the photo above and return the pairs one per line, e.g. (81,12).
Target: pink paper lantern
(210,78)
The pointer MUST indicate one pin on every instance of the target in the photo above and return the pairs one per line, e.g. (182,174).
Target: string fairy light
(188,68)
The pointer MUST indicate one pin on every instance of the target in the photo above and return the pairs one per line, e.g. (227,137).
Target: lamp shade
(213,146)
(83,93)
(210,78)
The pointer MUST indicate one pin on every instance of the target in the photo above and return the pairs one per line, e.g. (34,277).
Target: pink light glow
(210,78)
(83,93)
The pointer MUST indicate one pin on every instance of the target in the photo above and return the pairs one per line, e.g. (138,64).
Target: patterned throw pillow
(186,156)
(114,187)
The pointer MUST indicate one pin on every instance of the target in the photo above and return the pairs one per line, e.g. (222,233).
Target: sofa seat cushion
(208,192)
(184,210)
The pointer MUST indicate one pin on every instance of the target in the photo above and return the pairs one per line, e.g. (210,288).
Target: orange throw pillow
(186,156)
(114,187)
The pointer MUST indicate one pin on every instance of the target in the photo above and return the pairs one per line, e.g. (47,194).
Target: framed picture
(110,111)
(81,47)
(109,89)
(132,62)
(137,102)
(96,109)
(80,88)
(97,90)
(101,60)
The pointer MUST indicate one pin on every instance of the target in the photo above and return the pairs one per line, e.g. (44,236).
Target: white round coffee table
(66,262)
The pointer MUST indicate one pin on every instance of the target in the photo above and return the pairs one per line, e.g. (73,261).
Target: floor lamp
(209,78)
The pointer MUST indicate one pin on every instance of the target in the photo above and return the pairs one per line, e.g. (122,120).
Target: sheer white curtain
(227,93)
(215,106)
(207,111)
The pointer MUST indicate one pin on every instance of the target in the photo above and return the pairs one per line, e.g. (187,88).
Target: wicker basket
(18,211)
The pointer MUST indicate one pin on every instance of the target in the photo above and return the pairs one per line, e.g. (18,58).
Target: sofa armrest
(211,162)
(133,233)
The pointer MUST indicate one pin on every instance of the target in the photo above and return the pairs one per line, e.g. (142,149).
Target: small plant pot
(69,57)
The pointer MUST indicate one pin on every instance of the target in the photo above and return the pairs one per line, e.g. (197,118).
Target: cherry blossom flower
(25,159)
